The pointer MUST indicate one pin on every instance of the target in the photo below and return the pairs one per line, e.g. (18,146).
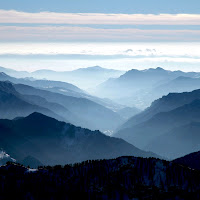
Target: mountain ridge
(53,142)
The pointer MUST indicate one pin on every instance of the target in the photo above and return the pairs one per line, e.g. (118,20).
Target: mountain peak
(160,68)
(94,68)
(38,116)
(154,69)
(39,119)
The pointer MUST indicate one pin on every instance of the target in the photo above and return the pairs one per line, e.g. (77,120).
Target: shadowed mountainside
(169,127)
(53,142)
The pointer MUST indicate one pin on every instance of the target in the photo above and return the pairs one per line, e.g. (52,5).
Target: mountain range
(47,122)
(169,127)
(62,88)
(140,87)
(13,104)
(135,88)
(164,104)
(49,96)
(52,142)
(83,112)
(177,85)
(83,77)
(41,83)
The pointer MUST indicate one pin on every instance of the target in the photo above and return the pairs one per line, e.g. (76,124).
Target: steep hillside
(164,104)
(53,142)
(160,124)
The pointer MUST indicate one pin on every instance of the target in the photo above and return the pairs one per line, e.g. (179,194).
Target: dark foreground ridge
(39,139)
(121,178)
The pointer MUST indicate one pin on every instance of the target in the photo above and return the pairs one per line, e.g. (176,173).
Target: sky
(104,6)
(66,34)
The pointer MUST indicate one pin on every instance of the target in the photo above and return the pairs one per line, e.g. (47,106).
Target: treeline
(121,178)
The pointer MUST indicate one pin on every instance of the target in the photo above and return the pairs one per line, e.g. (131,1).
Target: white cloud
(56,33)
(12,16)
(174,56)
(143,50)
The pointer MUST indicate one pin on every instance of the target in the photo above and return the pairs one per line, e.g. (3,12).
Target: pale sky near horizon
(68,34)
(122,56)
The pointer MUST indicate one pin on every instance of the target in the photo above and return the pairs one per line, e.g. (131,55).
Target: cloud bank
(12,16)
(56,33)
(51,26)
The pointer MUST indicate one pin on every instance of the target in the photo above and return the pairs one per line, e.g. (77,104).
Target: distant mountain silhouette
(169,127)
(79,111)
(52,142)
(86,113)
(94,69)
(137,87)
(55,107)
(14,73)
(180,84)
(13,104)
(102,101)
(40,83)
(164,104)
(62,88)
(141,134)
(83,77)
